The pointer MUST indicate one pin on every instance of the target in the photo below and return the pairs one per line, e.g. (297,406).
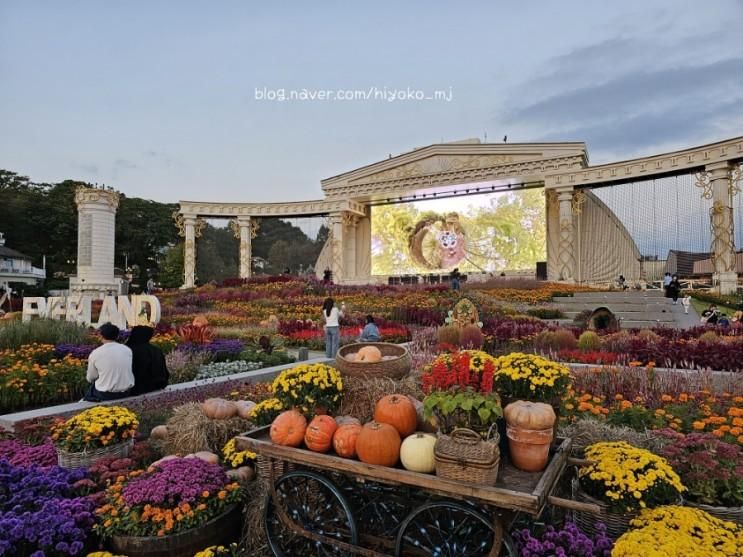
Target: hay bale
(253,541)
(587,431)
(190,431)
(361,394)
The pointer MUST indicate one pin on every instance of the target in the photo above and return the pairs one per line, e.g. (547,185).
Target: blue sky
(158,98)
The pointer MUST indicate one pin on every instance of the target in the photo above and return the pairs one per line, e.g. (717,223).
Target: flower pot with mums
(96,433)
(310,388)
(177,508)
(711,470)
(622,480)
(675,531)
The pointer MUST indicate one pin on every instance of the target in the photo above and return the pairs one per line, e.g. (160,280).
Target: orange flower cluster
(721,415)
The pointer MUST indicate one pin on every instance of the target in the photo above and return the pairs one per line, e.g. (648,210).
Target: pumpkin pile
(390,438)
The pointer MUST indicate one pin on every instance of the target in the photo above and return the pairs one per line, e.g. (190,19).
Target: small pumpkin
(288,428)
(218,408)
(319,434)
(200,321)
(245,408)
(163,459)
(344,440)
(416,453)
(159,432)
(345,420)
(378,444)
(206,456)
(529,415)
(243,474)
(397,411)
(369,355)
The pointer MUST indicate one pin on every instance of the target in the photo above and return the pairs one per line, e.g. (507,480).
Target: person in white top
(109,368)
(331,315)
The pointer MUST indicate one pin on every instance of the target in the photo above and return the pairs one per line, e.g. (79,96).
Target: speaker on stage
(541,270)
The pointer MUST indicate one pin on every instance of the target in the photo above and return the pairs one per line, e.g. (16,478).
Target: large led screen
(490,232)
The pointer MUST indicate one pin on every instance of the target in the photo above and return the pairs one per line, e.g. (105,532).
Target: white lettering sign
(119,310)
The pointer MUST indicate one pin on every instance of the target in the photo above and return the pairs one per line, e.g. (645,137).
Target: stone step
(629,295)
(636,316)
(615,307)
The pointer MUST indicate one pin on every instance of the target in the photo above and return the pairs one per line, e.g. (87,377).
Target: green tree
(171,268)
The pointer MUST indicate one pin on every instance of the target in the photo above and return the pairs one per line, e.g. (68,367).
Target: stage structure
(585,240)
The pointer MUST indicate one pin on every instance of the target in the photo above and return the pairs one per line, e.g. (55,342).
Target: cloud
(91,169)
(639,108)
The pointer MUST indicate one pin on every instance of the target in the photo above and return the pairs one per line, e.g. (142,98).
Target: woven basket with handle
(86,458)
(396,367)
(465,456)
(733,514)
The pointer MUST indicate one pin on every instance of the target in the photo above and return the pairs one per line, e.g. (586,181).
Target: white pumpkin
(416,453)
(245,408)
(159,432)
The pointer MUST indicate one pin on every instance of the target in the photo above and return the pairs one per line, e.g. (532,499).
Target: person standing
(109,368)
(456,279)
(148,362)
(674,289)
(370,333)
(332,315)
(686,302)
(666,281)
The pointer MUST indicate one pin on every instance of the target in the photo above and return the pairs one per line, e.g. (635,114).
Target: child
(686,302)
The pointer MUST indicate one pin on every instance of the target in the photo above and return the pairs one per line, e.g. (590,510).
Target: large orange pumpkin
(288,428)
(397,411)
(319,434)
(344,440)
(378,444)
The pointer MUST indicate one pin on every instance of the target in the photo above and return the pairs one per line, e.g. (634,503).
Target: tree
(171,268)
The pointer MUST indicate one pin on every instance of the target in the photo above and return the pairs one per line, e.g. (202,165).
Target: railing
(34,272)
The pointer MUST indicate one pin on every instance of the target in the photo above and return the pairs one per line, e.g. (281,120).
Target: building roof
(12,254)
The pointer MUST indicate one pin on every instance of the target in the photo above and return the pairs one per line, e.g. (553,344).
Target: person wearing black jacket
(148,362)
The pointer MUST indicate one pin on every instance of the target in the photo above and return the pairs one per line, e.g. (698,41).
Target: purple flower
(175,481)
(569,541)
(80,351)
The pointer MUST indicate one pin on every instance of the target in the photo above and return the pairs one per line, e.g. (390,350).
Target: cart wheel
(314,504)
(448,529)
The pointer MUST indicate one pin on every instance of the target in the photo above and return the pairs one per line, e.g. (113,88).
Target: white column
(350,222)
(189,252)
(725,277)
(337,243)
(246,241)
(96,230)
(565,255)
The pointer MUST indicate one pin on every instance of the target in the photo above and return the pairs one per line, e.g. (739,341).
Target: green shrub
(589,341)
(43,331)
(546,313)
(448,334)
(646,335)
(709,336)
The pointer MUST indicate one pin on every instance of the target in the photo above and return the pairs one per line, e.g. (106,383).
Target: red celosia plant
(460,370)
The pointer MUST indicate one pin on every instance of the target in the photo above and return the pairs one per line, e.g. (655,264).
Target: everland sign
(122,311)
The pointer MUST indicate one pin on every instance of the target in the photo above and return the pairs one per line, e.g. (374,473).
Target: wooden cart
(322,505)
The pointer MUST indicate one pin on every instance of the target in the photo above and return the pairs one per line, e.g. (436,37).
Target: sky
(162,99)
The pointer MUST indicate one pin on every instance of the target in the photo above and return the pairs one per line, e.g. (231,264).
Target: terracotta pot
(529,448)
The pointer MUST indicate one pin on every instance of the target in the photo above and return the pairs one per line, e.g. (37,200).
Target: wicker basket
(265,465)
(733,514)
(394,368)
(616,523)
(465,456)
(86,458)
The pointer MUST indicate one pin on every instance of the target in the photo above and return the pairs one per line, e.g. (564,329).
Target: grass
(14,334)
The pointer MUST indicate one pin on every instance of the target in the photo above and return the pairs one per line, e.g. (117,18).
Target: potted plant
(530,377)
(679,532)
(710,470)
(93,434)
(622,480)
(310,388)
(176,507)
(463,408)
